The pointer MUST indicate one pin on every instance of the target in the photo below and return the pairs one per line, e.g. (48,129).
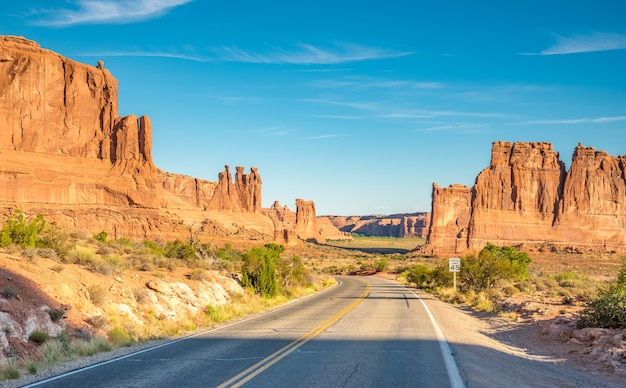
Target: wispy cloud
(277,130)
(190,56)
(339,117)
(109,12)
(596,120)
(382,84)
(452,127)
(307,54)
(320,137)
(586,43)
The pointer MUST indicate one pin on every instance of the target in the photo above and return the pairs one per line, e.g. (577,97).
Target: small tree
(492,265)
(259,269)
(17,231)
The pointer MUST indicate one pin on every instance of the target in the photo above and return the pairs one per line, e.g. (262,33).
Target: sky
(357,105)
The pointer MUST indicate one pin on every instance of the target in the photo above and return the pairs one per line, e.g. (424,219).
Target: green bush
(38,336)
(608,310)
(291,272)
(492,265)
(9,292)
(102,236)
(179,250)
(259,269)
(381,265)
(19,232)
(421,275)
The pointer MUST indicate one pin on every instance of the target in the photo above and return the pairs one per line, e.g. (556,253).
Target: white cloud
(586,43)
(111,12)
(307,54)
(330,136)
(596,120)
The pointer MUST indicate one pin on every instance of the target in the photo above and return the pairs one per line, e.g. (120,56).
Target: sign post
(454,264)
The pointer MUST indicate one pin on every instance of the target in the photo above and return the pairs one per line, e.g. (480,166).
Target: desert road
(365,332)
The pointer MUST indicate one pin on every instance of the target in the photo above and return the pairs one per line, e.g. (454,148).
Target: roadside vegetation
(272,274)
(268,275)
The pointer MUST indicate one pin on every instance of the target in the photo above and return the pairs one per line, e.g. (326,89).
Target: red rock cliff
(525,196)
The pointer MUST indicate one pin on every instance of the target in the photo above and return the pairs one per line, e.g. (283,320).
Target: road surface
(365,332)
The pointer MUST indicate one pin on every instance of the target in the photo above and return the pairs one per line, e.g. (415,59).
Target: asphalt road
(365,332)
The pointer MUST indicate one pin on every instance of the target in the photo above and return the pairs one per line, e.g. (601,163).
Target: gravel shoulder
(490,352)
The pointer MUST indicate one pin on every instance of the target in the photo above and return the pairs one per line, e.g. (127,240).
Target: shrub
(492,265)
(608,310)
(179,250)
(102,236)
(38,336)
(11,372)
(381,265)
(120,336)
(9,292)
(291,272)
(259,269)
(17,231)
(97,294)
(56,314)
(420,274)
(197,274)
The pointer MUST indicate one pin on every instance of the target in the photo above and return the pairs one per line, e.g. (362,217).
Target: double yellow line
(278,355)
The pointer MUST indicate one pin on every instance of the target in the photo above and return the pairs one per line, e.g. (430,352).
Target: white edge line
(456,381)
(83,369)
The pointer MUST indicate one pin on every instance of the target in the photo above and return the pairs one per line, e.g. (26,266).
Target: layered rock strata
(65,153)
(394,225)
(526,196)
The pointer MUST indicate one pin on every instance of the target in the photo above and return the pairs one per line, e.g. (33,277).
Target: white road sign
(454,263)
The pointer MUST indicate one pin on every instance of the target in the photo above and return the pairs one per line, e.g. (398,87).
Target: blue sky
(357,105)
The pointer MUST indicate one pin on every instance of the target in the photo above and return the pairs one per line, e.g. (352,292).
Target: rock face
(242,195)
(394,225)
(66,154)
(526,196)
(306,222)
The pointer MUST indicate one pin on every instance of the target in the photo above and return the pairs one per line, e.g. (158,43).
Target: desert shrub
(16,230)
(11,371)
(198,274)
(97,294)
(47,253)
(259,269)
(9,292)
(216,313)
(97,321)
(381,265)
(55,238)
(80,255)
(51,353)
(492,265)
(56,314)
(570,279)
(182,251)
(421,275)
(119,336)
(102,236)
(90,346)
(608,310)
(38,336)
(291,273)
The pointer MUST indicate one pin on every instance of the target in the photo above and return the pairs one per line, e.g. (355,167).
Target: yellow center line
(278,355)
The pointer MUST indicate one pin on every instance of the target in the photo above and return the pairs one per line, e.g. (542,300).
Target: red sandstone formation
(395,225)
(525,196)
(306,222)
(67,155)
(242,195)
